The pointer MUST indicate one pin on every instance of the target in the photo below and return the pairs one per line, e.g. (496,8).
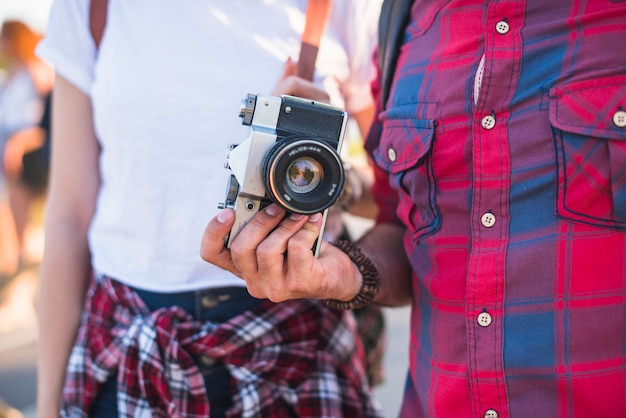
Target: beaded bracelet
(371,278)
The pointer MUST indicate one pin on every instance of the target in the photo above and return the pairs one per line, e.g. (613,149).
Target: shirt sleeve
(358,17)
(68,45)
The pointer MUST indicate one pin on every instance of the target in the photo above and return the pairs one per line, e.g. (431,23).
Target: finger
(306,89)
(331,276)
(212,247)
(270,281)
(291,68)
(282,86)
(298,86)
(295,236)
(244,246)
(305,238)
(271,252)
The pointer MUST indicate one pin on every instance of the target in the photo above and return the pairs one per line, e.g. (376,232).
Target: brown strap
(97,19)
(316,17)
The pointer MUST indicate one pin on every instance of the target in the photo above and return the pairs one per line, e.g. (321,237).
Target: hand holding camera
(290,158)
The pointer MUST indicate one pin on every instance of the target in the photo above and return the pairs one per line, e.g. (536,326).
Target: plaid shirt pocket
(589,124)
(405,153)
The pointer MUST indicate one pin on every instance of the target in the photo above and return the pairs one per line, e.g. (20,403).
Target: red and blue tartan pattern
(549,166)
(297,353)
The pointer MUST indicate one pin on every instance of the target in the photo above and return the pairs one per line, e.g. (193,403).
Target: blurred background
(34,12)
(20,252)
(18,267)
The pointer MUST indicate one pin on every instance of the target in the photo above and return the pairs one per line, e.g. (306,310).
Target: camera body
(291,158)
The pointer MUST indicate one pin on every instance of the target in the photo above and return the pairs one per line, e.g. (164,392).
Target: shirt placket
(490,208)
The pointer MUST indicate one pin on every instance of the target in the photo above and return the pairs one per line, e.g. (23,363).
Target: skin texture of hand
(290,83)
(273,255)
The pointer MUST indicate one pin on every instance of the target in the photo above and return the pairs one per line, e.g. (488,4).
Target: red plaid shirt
(504,141)
(297,353)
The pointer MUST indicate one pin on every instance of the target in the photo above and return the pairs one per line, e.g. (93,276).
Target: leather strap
(97,19)
(394,17)
(317,13)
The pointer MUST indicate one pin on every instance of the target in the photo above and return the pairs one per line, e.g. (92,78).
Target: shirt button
(488,122)
(484,319)
(391,153)
(619,119)
(491,413)
(502,27)
(488,220)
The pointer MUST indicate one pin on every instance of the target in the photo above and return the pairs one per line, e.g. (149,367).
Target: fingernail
(224,216)
(273,210)
(315,217)
(296,216)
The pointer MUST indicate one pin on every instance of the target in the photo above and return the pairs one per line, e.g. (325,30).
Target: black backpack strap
(394,17)
(97,19)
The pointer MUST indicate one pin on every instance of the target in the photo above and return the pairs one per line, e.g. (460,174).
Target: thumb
(290,68)
(212,248)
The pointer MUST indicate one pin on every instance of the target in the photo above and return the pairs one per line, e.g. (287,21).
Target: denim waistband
(217,304)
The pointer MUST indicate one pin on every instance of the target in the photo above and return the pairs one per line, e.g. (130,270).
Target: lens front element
(304,175)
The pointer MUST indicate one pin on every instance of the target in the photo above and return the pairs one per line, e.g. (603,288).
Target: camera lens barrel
(303,175)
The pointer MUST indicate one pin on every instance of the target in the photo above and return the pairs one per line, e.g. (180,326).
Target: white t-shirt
(166,86)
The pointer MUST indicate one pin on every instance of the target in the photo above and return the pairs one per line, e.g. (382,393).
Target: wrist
(367,278)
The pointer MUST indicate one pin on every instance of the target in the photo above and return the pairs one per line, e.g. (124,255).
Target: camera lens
(303,175)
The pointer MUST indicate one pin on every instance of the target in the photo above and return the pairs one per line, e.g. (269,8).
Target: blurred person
(500,139)
(27,79)
(26,165)
(139,141)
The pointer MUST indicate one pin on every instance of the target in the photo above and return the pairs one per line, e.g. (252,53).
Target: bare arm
(74,181)
(20,143)
(384,245)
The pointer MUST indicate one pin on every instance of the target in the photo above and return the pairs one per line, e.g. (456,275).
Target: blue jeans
(217,305)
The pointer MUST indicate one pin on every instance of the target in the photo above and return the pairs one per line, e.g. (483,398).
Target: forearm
(64,277)
(65,270)
(384,245)
(29,139)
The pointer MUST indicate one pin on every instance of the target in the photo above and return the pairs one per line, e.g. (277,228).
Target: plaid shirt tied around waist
(297,353)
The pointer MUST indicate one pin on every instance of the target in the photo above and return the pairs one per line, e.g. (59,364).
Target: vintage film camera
(291,158)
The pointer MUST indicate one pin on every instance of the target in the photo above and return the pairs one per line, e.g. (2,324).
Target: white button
(491,413)
(484,319)
(488,220)
(391,153)
(619,119)
(488,122)
(502,27)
